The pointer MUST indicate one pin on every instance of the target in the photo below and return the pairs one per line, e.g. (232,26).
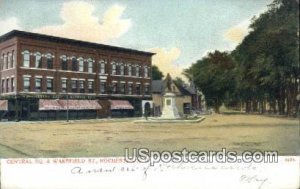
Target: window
(26,59)
(102,87)
(64,62)
(147,90)
(74,86)
(129,89)
(9,61)
(2,85)
(90,65)
(74,64)
(102,67)
(38,60)
(49,61)
(138,89)
(4,62)
(122,69)
(129,70)
(80,64)
(38,84)
(26,84)
(13,59)
(122,88)
(114,88)
(81,86)
(49,85)
(91,86)
(137,71)
(7,85)
(146,73)
(64,85)
(113,69)
(12,84)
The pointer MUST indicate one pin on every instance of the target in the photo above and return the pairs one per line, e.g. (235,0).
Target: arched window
(113,68)
(80,64)
(146,73)
(129,70)
(49,61)
(26,58)
(137,71)
(90,65)
(74,64)
(102,66)
(121,69)
(9,60)
(64,62)
(38,60)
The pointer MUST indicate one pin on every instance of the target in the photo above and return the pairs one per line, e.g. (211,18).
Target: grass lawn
(237,132)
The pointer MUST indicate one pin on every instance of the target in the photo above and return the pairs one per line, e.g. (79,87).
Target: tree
(214,75)
(156,73)
(179,81)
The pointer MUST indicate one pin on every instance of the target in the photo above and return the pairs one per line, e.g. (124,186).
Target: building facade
(46,77)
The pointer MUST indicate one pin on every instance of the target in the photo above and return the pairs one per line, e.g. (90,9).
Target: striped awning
(120,105)
(45,104)
(3,105)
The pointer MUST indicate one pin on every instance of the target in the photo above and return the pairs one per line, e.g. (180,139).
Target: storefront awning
(120,105)
(45,104)
(3,105)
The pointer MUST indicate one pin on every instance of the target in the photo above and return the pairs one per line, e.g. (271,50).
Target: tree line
(262,73)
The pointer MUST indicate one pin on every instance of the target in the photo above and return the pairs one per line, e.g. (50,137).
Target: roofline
(18,33)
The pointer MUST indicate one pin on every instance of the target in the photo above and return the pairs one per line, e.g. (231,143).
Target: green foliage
(156,73)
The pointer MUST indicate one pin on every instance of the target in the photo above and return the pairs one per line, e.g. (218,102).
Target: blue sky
(180,32)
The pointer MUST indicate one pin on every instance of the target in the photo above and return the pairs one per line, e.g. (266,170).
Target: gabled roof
(17,33)
(158,86)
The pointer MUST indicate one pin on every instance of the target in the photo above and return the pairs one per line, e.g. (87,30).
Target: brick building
(47,77)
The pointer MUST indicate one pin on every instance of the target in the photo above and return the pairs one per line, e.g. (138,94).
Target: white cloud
(9,24)
(237,33)
(166,59)
(80,23)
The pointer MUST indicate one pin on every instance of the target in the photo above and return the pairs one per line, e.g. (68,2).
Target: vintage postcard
(149,94)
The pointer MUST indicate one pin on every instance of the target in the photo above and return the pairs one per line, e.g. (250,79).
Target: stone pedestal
(169,109)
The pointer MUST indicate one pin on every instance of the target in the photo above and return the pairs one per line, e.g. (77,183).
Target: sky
(179,32)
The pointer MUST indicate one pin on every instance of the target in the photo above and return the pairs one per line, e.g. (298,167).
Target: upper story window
(129,88)
(49,61)
(12,83)
(138,89)
(38,84)
(49,85)
(102,67)
(122,88)
(129,70)
(9,61)
(13,59)
(74,64)
(91,86)
(80,64)
(4,62)
(81,86)
(74,86)
(147,89)
(146,72)
(90,65)
(121,69)
(137,71)
(102,87)
(114,88)
(113,68)
(64,62)
(64,85)
(26,83)
(26,58)
(38,60)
